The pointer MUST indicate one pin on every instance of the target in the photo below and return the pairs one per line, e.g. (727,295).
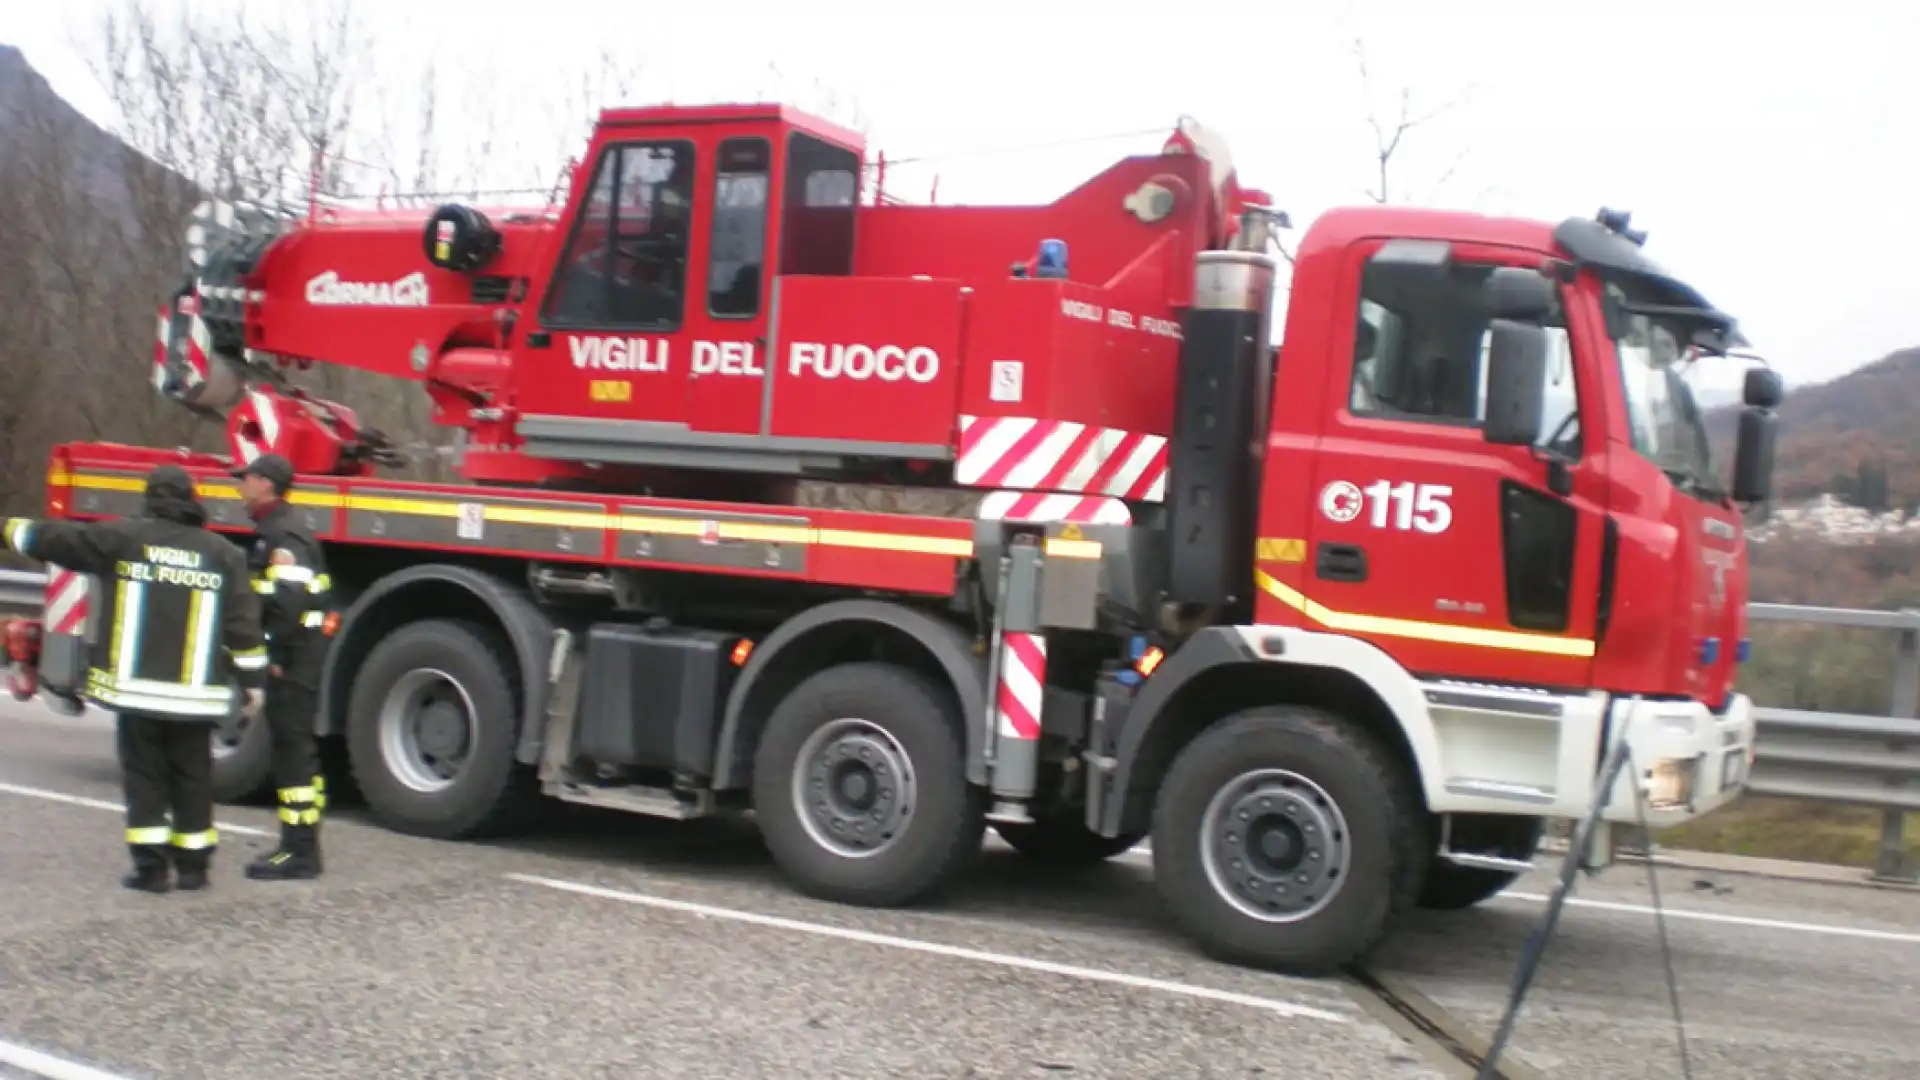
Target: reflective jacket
(179,623)
(289,572)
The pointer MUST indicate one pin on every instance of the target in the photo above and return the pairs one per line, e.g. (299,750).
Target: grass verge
(1774,828)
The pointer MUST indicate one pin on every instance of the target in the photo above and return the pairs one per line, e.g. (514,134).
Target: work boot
(149,878)
(190,868)
(152,872)
(296,859)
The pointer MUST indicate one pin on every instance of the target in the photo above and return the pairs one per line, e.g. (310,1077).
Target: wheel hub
(427,729)
(443,730)
(1275,845)
(854,788)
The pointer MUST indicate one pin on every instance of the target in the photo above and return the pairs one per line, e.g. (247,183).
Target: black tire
(243,770)
(1450,887)
(1382,840)
(1065,841)
(1455,888)
(943,822)
(491,793)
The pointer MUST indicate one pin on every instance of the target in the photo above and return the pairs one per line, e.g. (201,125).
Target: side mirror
(1753,456)
(1764,389)
(1516,383)
(1514,292)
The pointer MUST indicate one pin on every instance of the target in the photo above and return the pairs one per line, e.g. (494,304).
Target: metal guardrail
(22,590)
(1868,761)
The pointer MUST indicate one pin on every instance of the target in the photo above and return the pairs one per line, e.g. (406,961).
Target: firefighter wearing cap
(290,576)
(182,625)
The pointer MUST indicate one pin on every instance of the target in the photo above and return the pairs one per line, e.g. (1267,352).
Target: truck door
(727,365)
(608,345)
(1458,557)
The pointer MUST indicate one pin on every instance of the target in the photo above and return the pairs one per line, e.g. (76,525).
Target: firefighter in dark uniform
(290,576)
(182,624)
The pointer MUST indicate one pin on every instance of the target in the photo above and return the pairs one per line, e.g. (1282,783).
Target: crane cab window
(822,187)
(737,246)
(1420,344)
(625,265)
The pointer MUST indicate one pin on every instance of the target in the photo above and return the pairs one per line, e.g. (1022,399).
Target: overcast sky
(1769,148)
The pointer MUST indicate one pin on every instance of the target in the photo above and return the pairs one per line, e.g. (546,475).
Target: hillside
(1854,438)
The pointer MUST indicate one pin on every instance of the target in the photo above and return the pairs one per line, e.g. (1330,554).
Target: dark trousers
(296,758)
(167,764)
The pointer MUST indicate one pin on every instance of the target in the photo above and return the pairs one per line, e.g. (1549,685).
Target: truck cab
(1490,540)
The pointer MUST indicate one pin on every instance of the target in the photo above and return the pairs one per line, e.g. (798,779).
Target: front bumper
(1687,759)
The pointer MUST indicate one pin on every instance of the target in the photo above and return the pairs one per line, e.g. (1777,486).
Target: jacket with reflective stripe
(179,623)
(290,576)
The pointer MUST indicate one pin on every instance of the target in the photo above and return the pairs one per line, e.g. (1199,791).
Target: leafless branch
(1389,135)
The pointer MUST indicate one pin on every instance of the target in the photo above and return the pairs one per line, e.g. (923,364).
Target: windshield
(1662,415)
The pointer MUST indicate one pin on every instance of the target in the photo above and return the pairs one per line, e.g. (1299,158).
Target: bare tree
(1390,132)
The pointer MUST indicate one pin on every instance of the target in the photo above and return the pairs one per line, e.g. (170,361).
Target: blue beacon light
(1052,260)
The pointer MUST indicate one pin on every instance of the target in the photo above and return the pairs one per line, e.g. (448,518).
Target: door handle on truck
(1340,562)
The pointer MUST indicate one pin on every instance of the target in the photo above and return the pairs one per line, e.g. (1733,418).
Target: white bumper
(1690,760)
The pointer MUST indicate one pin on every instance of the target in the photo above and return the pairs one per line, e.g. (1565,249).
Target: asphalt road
(611,946)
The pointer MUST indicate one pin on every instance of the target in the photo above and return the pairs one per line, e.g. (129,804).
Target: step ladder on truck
(896,522)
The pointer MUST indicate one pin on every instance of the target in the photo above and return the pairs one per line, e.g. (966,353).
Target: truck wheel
(243,767)
(860,787)
(1285,838)
(434,720)
(1065,841)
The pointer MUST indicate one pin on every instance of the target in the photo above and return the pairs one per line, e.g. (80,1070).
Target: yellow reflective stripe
(320,792)
(290,573)
(114,635)
(250,659)
(19,531)
(152,834)
(1057,548)
(296,794)
(594,520)
(196,841)
(314,619)
(155,688)
(299,817)
(321,584)
(263,587)
(1346,622)
(190,652)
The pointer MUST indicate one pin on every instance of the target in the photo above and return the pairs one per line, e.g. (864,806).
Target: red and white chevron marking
(195,350)
(67,601)
(258,412)
(1059,455)
(1023,678)
(1041,506)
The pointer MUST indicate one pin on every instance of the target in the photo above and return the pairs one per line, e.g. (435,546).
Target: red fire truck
(1340,625)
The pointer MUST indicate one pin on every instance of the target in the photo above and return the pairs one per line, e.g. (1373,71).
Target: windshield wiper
(1682,479)
(1692,484)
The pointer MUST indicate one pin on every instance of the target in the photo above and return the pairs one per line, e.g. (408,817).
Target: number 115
(1422,507)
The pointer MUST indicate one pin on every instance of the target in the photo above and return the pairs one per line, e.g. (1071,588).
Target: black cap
(274,468)
(170,482)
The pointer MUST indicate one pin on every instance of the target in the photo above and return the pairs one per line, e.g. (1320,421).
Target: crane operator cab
(654,324)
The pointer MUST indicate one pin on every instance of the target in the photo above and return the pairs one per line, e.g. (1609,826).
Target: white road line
(1143,855)
(930,948)
(103,804)
(1720,917)
(53,1068)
